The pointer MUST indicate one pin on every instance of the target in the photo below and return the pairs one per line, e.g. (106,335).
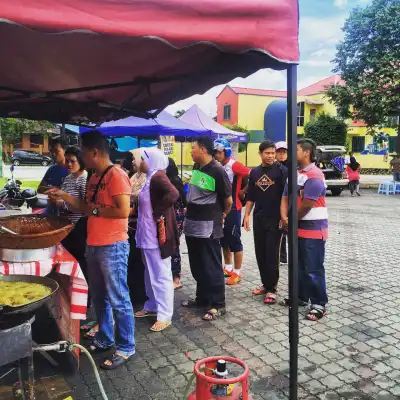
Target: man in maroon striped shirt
(313,230)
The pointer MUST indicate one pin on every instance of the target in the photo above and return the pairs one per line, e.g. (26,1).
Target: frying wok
(27,308)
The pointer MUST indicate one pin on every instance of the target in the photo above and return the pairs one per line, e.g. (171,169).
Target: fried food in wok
(16,294)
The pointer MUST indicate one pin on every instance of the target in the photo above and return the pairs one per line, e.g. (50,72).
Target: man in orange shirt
(107,207)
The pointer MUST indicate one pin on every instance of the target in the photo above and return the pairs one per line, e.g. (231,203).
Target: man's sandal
(160,326)
(116,361)
(213,314)
(270,298)
(315,314)
(259,291)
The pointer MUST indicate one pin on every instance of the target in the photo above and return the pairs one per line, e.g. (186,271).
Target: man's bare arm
(305,207)
(228,205)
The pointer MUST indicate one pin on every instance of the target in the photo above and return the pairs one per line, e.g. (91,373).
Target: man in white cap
(281,156)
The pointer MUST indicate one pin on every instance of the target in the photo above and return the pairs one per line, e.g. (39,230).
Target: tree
(239,128)
(326,130)
(368,60)
(179,113)
(12,129)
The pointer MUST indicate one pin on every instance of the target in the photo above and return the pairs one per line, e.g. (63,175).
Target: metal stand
(293,224)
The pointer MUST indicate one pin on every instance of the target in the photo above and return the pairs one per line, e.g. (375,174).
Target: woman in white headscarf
(157,237)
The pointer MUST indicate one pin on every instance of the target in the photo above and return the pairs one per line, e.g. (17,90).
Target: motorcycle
(12,197)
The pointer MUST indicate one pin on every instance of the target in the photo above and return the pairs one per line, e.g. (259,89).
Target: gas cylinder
(212,382)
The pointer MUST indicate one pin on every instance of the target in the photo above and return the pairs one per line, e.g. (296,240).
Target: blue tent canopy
(164,125)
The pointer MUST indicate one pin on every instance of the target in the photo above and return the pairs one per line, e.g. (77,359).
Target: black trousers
(75,243)
(135,279)
(205,258)
(267,238)
(284,257)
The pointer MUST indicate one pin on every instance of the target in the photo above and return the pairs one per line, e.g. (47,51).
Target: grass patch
(25,184)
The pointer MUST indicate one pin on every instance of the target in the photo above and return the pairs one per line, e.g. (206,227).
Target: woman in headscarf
(179,206)
(135,262)
(353,173)
(157,237)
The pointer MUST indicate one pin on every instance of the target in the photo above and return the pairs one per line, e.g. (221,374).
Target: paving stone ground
(353,353)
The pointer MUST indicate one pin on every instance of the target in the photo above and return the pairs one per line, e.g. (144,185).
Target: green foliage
(179,113)
(237,128)
(326,130)
(12,129)
(368,60)
(240,128)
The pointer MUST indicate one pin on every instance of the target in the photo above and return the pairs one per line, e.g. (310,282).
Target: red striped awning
(69,60)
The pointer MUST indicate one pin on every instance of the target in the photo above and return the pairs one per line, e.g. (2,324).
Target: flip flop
(180,286)
(88,325)
(162,326)
(91,333)
(145,314)
(116,361)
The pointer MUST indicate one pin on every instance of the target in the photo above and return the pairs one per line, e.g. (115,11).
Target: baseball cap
(281,145)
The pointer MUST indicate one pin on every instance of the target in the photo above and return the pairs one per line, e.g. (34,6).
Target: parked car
(29,157)
(329,160)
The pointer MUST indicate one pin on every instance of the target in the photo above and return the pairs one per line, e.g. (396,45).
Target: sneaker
(259,291)
(358,194)
(352,195)
(227,273)
(234,279)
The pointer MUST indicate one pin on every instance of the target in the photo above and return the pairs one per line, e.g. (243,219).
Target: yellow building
(263,112)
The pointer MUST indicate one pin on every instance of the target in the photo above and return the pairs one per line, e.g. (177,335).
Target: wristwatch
(95,212)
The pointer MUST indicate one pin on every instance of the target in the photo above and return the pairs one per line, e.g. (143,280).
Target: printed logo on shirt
(265,182)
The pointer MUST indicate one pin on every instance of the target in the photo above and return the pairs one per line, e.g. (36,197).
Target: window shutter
(358,144)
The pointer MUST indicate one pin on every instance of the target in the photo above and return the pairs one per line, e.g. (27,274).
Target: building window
(36,139)
(300,114)
(313,112)
(392,144)
(227,112)
(358,144)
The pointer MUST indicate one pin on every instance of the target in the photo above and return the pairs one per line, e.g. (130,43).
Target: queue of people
(129,221)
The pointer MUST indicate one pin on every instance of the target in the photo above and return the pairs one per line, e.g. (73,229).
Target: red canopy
(68,60)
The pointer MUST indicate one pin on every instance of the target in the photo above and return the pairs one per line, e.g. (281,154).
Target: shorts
(232,232)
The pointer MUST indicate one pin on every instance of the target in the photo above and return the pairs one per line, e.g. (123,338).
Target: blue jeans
(107,267)
(312,284)
(396,176)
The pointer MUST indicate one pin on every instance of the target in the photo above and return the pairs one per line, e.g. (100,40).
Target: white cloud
(340,3)
(318,39)
(316,63)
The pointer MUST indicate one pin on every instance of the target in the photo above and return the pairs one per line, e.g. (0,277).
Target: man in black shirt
(266,185)
(209,200)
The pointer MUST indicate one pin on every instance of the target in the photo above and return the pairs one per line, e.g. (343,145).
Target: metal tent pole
(293,224)
(181,160)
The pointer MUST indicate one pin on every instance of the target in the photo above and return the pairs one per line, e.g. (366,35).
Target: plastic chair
(396,187)
(387,187)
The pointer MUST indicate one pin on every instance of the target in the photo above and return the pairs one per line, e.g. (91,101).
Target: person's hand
(55,194)
(246,223)
(285,223)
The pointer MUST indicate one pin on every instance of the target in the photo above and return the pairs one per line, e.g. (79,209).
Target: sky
(320,31)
